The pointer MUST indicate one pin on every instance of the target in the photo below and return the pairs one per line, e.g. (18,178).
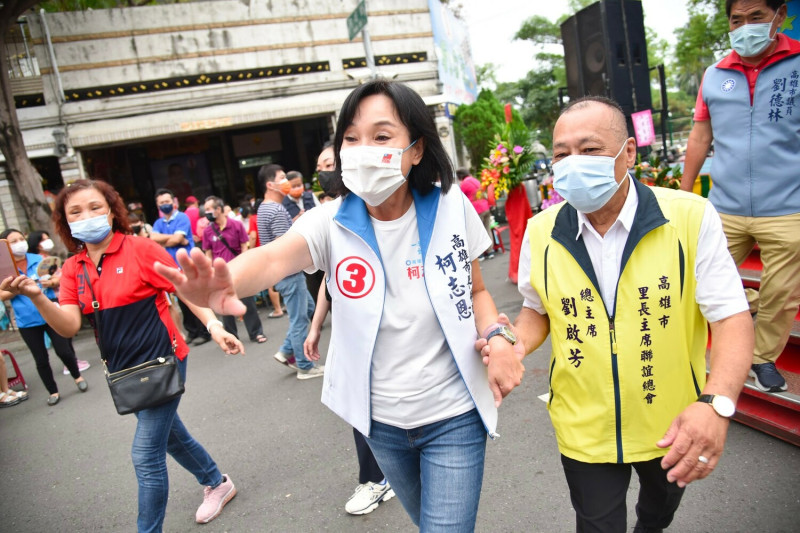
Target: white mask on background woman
(19,248)
(47,245)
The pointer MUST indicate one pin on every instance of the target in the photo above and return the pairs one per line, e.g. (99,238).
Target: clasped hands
(504,361)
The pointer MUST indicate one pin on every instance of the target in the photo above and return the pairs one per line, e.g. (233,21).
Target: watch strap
(706,398)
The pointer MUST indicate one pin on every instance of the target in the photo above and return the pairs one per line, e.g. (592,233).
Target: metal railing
(18,48)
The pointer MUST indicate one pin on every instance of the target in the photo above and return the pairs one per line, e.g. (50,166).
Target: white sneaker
(313,372)
(367,497)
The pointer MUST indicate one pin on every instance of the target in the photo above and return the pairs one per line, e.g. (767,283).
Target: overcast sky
(493,23)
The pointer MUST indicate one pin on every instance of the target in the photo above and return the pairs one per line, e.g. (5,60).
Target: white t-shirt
(415,380)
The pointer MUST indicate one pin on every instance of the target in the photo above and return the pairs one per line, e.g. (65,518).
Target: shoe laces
(769,368)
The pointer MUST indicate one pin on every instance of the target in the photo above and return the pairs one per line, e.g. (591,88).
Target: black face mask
(211,217)
(136,229)
(326,179)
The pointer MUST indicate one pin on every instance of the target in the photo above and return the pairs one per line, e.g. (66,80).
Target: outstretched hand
(203,283)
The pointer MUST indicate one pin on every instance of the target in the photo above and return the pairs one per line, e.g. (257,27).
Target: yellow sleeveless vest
(616,382)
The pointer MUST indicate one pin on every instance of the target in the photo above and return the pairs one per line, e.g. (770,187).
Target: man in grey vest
(749,106)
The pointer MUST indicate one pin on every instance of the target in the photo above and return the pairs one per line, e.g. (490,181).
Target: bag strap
(95,307)
(220,237)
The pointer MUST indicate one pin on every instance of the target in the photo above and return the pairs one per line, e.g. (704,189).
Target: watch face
(723,405)
(508,334)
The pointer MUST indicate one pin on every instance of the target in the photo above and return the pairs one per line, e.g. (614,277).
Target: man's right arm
(531,328)
(696,150)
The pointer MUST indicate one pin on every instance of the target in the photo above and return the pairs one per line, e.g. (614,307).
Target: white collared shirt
(717,277)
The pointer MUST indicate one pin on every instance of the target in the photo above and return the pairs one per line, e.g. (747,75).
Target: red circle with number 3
(355,278)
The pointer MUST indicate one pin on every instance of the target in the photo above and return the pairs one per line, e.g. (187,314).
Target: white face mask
(373,173)
(586,182)
(47,245)
(19,248)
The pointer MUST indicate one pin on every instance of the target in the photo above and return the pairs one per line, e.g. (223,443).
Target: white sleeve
(531,297)
(314,226)
(719,291)
(477,238)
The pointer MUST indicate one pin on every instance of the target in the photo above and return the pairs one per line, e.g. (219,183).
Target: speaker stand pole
(629,56)
(664,107)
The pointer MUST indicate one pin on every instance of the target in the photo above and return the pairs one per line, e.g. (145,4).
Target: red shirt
(254,227)
(135,323)
(194,215)
(785,47)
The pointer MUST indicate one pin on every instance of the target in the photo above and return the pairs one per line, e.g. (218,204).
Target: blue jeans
(436,470)
(160,431)
(300,306)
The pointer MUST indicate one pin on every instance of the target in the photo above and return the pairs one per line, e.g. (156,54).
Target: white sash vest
(357,287)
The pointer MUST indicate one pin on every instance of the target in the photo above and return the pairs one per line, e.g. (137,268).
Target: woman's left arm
(228,342)
(506,371)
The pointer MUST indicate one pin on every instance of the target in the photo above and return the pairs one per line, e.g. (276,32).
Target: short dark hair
(164,190)
(268,173)
(118,211)
(774,5)
(292,174)
(218,202)
(435,164)
(9,231)
(34,240)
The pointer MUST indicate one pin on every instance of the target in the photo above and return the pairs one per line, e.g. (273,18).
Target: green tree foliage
(476,125)
(700,40)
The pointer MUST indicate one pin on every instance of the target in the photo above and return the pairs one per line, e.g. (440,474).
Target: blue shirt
(178,223)
(24,309)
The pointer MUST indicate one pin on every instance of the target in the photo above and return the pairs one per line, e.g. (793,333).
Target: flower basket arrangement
(510,160)
(507,165)
(652,173)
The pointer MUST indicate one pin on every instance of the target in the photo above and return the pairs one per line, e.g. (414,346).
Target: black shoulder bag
(143,386)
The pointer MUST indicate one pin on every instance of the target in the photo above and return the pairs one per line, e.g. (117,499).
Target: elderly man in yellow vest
(625,278)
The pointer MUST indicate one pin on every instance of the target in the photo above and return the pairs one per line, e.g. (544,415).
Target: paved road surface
(68,468)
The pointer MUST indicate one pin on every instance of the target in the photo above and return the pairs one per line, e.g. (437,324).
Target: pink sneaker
(214,500)
(82,366)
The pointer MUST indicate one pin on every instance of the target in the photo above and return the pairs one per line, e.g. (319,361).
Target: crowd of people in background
(650,269)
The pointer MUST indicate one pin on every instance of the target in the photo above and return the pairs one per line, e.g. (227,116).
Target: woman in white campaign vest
(400,247)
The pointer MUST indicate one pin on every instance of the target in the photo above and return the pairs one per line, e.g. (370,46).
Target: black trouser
(194,328)
(598,492)
(251,321)
(368,469)
(313,281)
(34,338)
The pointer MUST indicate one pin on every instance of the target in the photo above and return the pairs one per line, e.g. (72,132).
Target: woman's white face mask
(373,173)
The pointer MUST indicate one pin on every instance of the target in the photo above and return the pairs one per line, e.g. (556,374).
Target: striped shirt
(273,221)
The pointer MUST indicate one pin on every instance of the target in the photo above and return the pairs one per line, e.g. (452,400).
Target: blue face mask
(586,182)
(750,40)
(166,208)
(92,230)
